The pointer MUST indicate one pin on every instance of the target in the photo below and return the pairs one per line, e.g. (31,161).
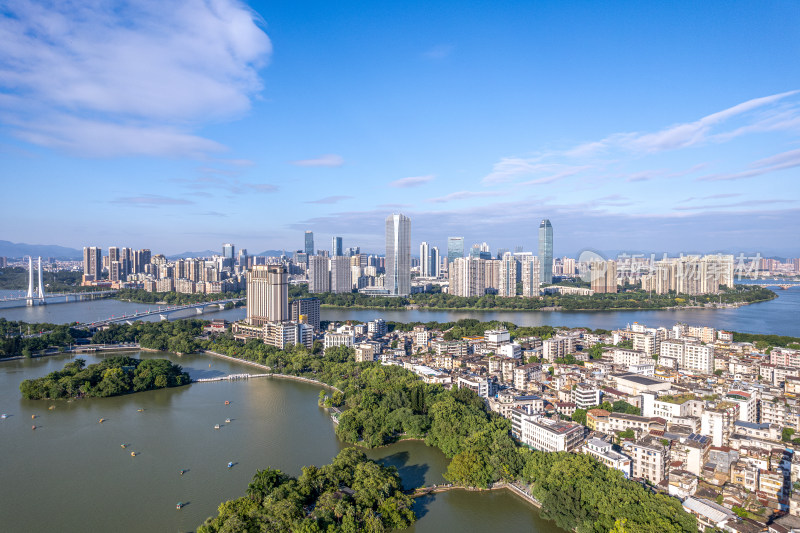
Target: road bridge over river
(163,312)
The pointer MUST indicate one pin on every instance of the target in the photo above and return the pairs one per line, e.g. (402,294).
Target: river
(71,473)
(778,316)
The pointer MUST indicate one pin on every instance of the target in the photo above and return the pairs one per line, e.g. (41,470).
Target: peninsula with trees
(113,376)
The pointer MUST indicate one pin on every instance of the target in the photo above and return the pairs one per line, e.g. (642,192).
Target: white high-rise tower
(424,260)
(398,255)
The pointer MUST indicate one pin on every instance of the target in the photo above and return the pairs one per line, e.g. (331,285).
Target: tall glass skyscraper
(398,255)
(545,252)
(336,247)
(455,248)
(309,243)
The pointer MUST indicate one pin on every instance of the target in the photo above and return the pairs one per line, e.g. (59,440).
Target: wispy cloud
(327,160)
(222,180)
(257,187)
(607,158)
(413,181)
(329,200)
(781,161)
(510,169)
(150,200)
(463,195)
(745,203)
(105,79)
(698,132)
(438,52)
(712,196)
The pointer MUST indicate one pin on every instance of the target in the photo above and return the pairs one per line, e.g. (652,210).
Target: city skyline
(480,126)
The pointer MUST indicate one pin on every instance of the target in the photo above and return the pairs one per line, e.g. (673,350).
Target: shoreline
(734,305)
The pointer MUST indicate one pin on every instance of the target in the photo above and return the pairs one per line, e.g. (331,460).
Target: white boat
(4,416)
(216,426)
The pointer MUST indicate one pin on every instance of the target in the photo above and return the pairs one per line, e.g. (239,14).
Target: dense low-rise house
(717,421)
(785,357)
(333,339)
(754,430)
(604,452)
(708,513)
(617,422)
(669,407)
(483,386)
(525,375)
(557,347)
(691,356)
(635,384)
(585,395)
(505,401)
(543,433)
(682,483)
(650,458)
(692,452)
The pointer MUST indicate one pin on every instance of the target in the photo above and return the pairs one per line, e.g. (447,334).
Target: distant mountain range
(193,255)
(21,249)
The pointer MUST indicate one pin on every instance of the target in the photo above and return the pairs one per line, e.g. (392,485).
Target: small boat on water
(216,426)
(33,416)
(140,410)
(227,402)
(230,465)
(227,420)
(4,416)
(124,445)
(133,454)
(101,420)
(179,506)
(33,427)
(182,472)
(52,407)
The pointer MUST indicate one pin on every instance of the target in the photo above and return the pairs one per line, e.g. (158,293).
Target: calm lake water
(71,474)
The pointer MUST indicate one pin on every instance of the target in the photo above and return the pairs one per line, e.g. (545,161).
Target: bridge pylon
(40,294)
(29,296)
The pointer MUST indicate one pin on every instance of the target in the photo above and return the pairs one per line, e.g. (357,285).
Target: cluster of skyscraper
(474,274)
(125,267)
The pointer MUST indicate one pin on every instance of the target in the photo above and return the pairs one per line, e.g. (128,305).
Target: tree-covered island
(112,377)
(350,494)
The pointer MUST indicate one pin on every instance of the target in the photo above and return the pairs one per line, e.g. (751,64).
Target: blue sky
(181,125)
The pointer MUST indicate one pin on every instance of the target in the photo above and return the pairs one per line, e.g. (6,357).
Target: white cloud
(327,160)
(150,200)
(329,200)
(700,131)
(782,161)
(413,181)
(140,76)
(463,195)
(778,112)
